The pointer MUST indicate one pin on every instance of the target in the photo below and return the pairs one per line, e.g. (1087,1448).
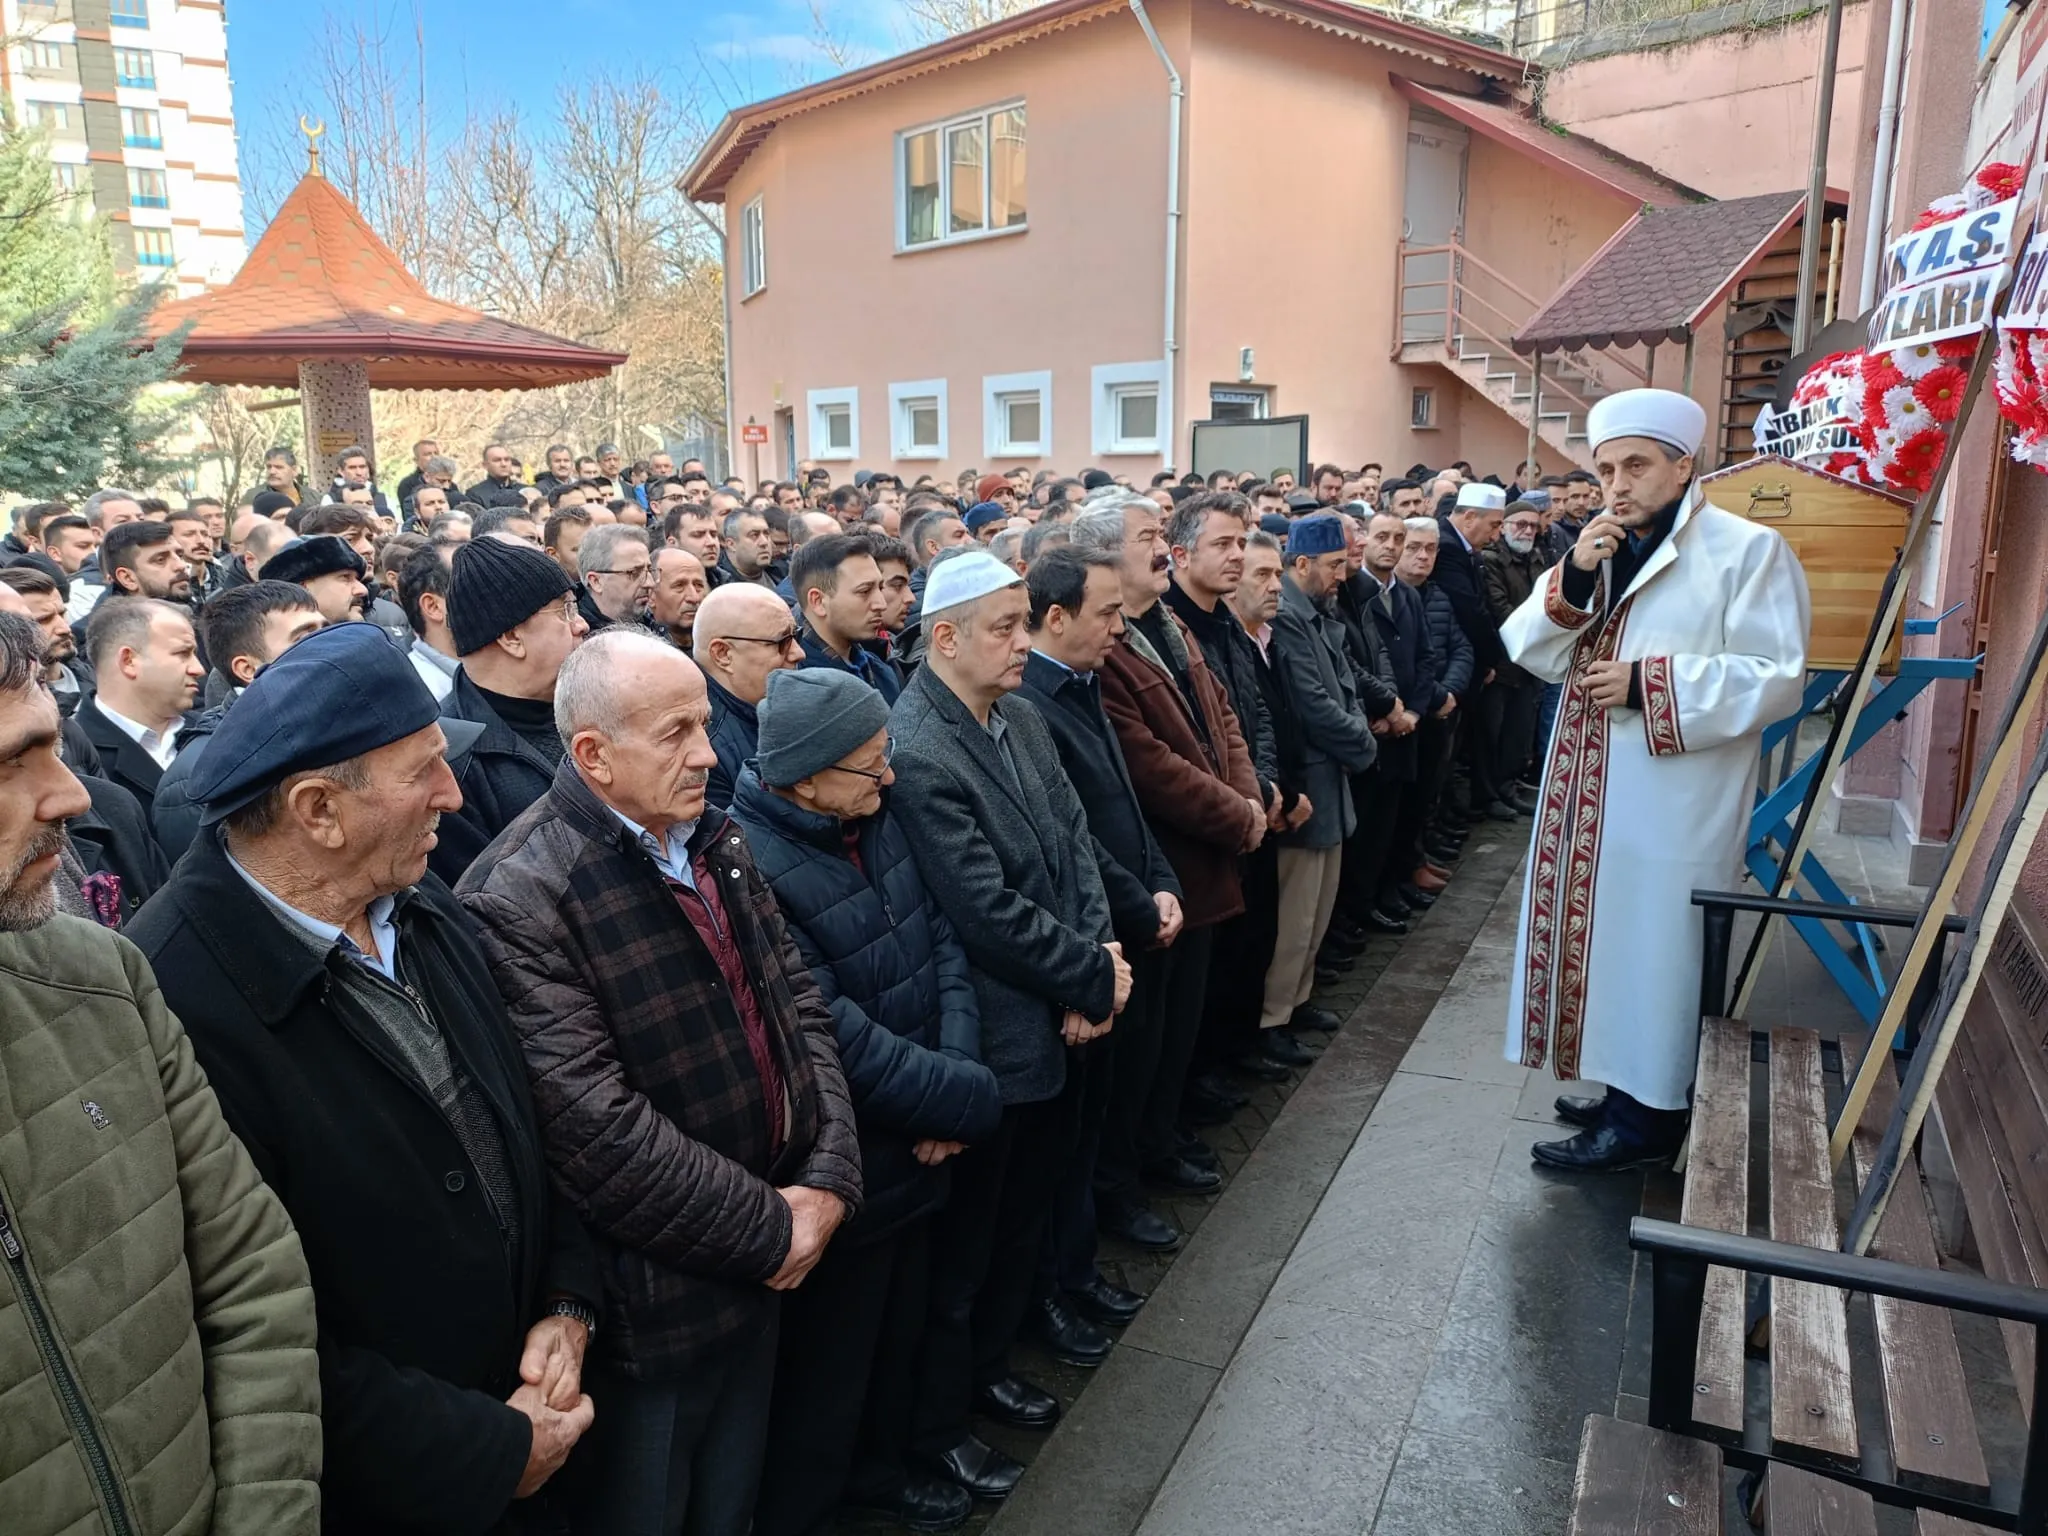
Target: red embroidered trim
(1565,855)
(1660,708)
(1556,609)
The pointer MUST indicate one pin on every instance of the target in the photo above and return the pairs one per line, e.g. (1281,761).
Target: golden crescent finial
(312,128)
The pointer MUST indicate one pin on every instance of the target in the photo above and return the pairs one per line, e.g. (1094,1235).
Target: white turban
(1663,415)
(1475,494)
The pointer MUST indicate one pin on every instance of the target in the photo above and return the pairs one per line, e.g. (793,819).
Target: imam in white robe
(1639,807)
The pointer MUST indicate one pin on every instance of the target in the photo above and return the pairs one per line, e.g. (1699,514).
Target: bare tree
(934,19)
(237,437)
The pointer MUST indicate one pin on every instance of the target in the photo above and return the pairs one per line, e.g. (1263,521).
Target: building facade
(1064,238)
(138,103)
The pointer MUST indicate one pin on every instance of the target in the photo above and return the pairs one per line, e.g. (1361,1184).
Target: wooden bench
(1751,1338)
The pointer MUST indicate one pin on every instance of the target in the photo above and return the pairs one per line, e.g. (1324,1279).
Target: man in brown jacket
(1511,566)
(683,1067)
(1200,795)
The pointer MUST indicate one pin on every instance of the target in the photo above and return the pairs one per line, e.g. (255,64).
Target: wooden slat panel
(1998,1240)
(1811,1404)
(1633,1479)
(1717,1197)
(1799,1503)
(1927,1401)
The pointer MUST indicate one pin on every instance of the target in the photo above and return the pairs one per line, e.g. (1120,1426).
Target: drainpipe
(1875,216)
(1817,178)
(1175,94)
(732,437)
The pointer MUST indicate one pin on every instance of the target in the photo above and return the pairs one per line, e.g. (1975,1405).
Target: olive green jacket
(157,1365)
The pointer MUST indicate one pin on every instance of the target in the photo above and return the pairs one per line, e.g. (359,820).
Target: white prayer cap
(1483,497)
(1663,415)
(962,578)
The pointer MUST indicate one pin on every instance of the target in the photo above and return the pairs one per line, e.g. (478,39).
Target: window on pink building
(964,179)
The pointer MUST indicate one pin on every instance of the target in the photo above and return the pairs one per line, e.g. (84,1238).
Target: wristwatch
(568,1306)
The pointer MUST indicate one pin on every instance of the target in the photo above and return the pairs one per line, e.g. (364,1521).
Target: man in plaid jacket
(684,1072)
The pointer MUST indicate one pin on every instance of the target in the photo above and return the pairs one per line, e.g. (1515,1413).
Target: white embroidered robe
(1639,807)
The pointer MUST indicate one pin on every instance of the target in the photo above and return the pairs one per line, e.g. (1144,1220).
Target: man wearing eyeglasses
(743,635)
(513,619)
(618,576)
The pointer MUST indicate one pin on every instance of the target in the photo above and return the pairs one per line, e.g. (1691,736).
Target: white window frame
(753,249)
(54,115)
(942,126)
(1108,383)
(1258,396)
(901,398)
(43,55)
(1422,408)
(995,421)
(817,444)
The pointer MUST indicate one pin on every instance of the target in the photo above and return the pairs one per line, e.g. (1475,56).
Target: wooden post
(1535,405)
(1691,337)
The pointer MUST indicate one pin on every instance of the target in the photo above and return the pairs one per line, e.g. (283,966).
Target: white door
(1432,213)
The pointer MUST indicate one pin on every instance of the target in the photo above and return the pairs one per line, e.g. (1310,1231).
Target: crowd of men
(638,991)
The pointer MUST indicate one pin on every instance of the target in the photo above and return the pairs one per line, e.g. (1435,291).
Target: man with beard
(679,588)
(168,1335)
(1205,805)
(139,559)
(326,567)
(147,662)
(1512,568)
(45,605)
(618,576)
(340,1005)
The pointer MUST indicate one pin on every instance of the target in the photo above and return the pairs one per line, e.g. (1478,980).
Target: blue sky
(737,50)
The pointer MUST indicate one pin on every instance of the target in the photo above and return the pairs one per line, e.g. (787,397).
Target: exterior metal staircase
(1456,312)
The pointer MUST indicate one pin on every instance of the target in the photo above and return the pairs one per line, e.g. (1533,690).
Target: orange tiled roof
(320,285)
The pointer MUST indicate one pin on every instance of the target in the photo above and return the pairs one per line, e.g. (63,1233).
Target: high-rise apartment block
(140,110)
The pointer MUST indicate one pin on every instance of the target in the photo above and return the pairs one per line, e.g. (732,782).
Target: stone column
(335,401)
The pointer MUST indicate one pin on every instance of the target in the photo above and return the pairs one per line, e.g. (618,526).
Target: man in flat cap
(1679,632)
(327,567)
(1003,843)
(347,1019)
(513,619)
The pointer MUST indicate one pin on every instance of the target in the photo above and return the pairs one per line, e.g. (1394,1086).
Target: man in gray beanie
(512,618)
(904,1014)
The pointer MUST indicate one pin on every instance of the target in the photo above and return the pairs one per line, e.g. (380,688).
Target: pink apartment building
(1060,239)
(961,257)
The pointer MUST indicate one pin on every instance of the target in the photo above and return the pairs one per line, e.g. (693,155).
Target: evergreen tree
(77,407)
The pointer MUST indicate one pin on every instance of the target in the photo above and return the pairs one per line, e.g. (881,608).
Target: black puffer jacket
(903,1006)
(735,733)
(1453,650)
(501,774)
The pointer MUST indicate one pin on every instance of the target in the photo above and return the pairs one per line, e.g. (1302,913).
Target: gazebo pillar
(334,398)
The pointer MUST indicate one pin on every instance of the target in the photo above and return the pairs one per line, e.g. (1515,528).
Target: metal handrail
(1461,295)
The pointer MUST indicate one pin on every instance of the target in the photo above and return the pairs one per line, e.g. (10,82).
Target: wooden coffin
(1845,535)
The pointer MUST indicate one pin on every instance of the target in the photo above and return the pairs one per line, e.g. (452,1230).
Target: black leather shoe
(1255,1063)
(921,1504)
(1309,1016)
(1443,854)
(1281,1048)
(1394,907)
(1385,922)
(1140,1225)
(1600,1150)
(981,1469)
(1585,1112)
(1197,1151)
(1209,1100)
(1335,960)
(1183,1177)
(1345,932)
(1013,1400)
(1415,896)
(1326,977)
(1068,1336)
(1106,1305)
(1500,810)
